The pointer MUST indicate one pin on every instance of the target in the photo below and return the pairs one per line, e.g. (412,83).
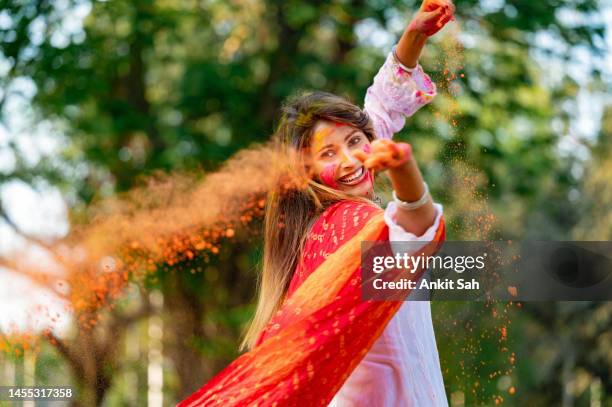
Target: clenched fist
(432,16)
(384,154)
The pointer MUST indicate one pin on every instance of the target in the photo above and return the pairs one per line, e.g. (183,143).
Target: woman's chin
(362,190)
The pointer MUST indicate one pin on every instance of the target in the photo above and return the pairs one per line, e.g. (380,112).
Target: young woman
(314,340)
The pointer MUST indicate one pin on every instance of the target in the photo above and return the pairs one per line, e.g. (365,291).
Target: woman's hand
(384,154)
(406,179)
(432,16)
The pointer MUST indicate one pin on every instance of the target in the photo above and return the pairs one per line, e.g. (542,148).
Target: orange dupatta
(323,329)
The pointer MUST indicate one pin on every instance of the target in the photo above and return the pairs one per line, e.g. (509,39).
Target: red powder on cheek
(367,148)
(328,175)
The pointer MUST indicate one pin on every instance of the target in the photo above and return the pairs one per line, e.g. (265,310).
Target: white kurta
(402,368)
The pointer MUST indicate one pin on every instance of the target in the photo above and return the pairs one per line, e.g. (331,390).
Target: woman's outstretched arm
(408,186)
(407,183)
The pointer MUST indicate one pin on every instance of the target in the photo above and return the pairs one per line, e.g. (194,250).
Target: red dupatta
(323,329)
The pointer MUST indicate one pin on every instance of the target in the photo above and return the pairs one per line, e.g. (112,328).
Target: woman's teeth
(352,178)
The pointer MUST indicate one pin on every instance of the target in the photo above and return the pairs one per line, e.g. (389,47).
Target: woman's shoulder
(339,222)
(336,225)
(351,212)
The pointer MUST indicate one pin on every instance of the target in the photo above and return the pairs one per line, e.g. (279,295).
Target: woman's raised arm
(431,17)
(400,87)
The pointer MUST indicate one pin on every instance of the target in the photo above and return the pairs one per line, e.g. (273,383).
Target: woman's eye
(355,140)
(327,154)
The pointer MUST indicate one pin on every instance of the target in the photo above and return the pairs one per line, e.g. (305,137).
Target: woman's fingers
(376,164)
(449,9)
(430,24)
(379,161)
(361,155)
(434,15)
(379,148)
(371,163)
(445,20)
(404,153)
(385,154)
(450,4)
(430,5)
(431,16)
(385,146)
(381,145)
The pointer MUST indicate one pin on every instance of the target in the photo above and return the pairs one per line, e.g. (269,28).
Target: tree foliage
(142,86)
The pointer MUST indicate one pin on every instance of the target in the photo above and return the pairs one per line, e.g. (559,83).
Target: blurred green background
(94,96)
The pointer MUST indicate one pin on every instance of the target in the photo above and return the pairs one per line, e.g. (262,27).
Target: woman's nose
(348,160)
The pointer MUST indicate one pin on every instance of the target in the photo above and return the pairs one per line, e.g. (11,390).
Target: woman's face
(333,163)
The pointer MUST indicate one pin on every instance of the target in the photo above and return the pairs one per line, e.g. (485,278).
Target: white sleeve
(396,94)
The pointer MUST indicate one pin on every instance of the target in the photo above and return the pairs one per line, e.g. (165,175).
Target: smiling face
(333,164)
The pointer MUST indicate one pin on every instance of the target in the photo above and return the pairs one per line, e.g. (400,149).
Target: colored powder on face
(318,138)
(328,175)
(370,173)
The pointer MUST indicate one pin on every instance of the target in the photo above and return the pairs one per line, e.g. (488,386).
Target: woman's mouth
(354,177)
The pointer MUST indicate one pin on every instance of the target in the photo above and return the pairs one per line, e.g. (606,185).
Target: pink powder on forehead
(328,175)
